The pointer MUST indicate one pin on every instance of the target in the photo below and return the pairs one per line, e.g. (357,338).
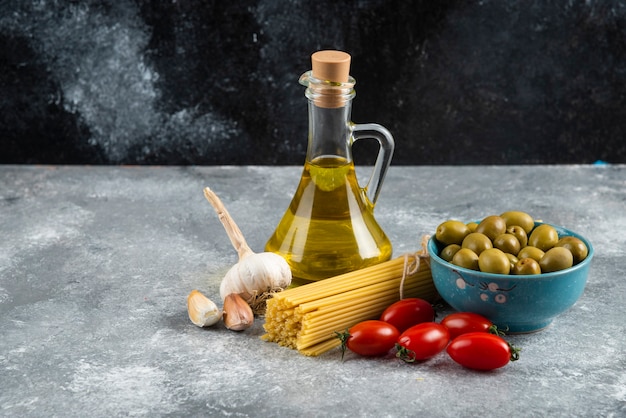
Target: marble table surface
(96,263)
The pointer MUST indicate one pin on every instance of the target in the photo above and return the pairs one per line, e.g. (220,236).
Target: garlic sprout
(257,275)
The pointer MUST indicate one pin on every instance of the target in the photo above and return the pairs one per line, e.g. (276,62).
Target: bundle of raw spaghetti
(306,317)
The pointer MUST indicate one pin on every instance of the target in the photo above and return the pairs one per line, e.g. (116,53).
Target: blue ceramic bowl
(521,303)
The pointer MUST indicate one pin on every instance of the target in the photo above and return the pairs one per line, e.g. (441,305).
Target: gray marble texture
(96,264)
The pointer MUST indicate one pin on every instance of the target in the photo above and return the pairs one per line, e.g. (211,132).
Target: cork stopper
(331,66)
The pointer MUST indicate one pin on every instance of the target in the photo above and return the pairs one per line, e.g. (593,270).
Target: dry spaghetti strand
(306,317)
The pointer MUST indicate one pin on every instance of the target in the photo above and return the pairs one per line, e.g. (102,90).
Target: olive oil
(329,227)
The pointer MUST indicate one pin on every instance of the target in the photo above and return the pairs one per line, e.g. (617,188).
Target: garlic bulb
(257,275)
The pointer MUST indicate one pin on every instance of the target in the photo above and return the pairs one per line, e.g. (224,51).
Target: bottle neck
(330,127)
(329,132)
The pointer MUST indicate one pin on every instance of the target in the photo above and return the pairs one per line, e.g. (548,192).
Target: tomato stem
(405,354)
(493,329)
(343,337)
(514,352)
(437,308)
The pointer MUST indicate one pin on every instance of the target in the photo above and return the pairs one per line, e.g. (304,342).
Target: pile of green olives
(508,243)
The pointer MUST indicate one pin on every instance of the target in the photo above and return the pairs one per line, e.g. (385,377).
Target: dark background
(216,82)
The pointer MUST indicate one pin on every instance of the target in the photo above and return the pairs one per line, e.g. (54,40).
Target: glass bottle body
(329,227)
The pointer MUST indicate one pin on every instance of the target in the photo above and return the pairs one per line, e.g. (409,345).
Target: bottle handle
(383,160)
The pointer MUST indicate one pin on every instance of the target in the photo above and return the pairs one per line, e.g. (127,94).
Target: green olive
(522,219)
(526,266)
(448,252)
(507,243)
(472,226)
(530,252)
(519,233)
(477,242)
(493,260)
(576,246)
(492,226)
(543,237)
(466,258)
(451,232)
(556,258)
(512,259)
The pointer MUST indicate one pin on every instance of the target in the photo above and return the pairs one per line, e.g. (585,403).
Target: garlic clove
(237,313)
(202,311)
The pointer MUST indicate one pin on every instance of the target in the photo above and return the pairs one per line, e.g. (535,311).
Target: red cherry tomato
(463,322)
(369,338)
(408,312)
(482,351)
(422,341)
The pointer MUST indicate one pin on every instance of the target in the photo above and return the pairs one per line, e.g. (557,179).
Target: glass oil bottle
(329,227)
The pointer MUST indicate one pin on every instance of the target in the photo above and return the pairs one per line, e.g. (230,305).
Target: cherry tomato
(369,338)
(463,322)
(482,351)
(422,341)
(408,312)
